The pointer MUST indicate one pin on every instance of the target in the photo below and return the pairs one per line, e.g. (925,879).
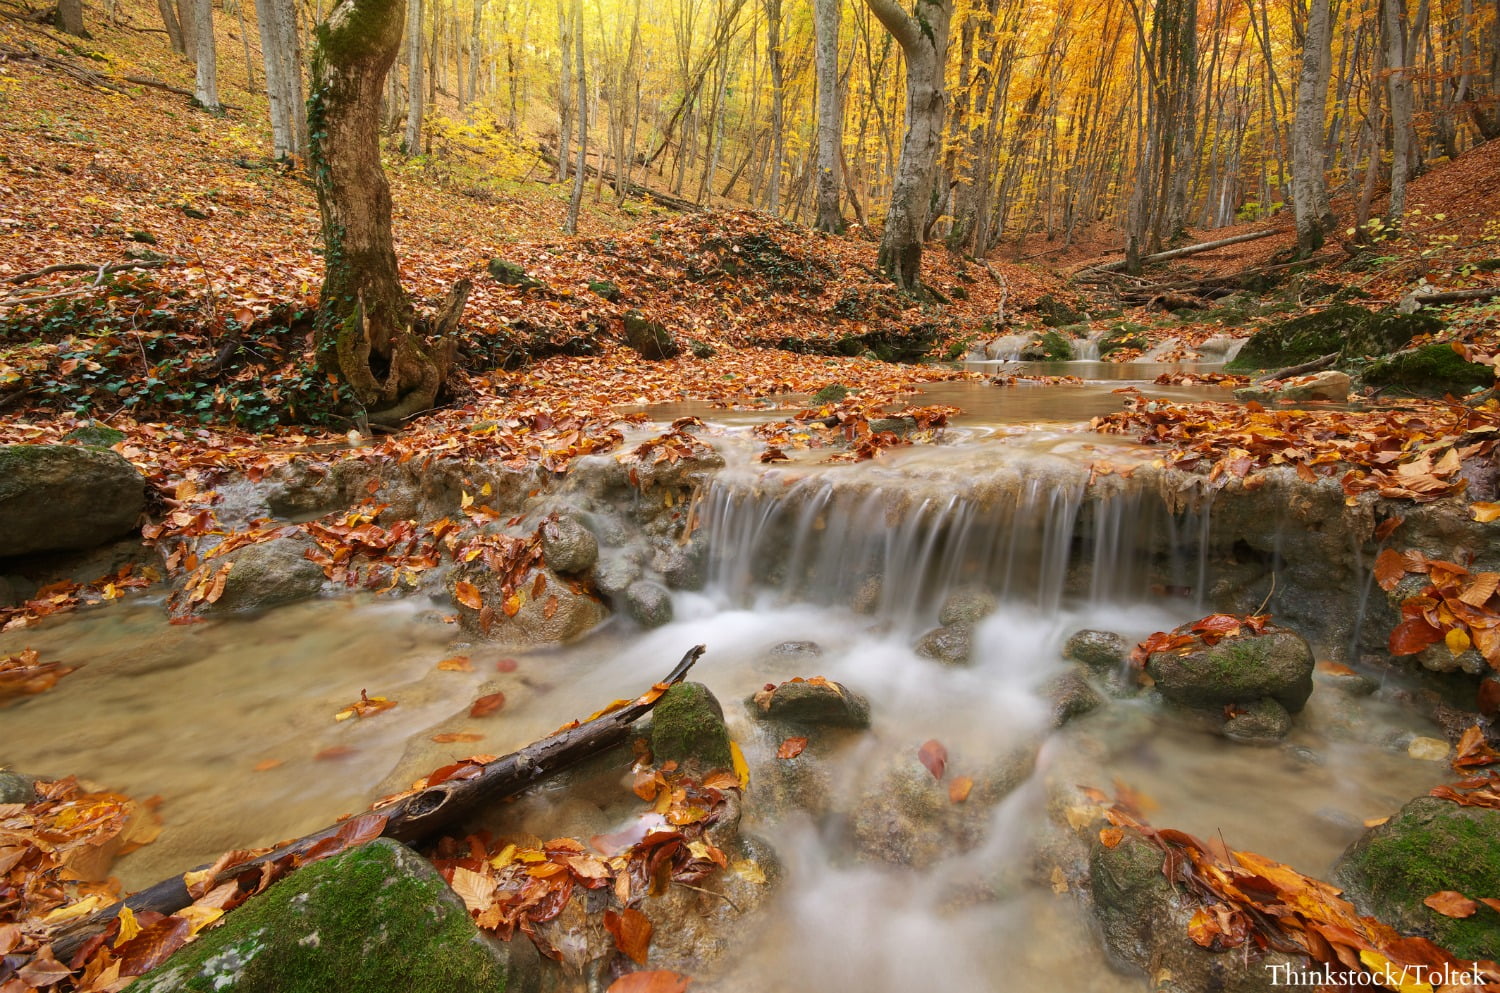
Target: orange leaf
(1484,513)
(467,594)
(1390,566)
(632,932)
(959,789)
(1451,904)
(455,736)
(935,757)
(458,663)
(791,748)
(512,605)
(660,981)
(1473,751)
(264,765)
(487,705)
(1411,636)
(1388,527)
(1111,836)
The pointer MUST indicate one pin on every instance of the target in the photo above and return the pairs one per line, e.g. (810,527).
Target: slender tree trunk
(830,115)
(188,17)
(365,332)
(571,225)
(1309,191)
(281,53)
(174,26)
(1398,84)
(411,142)
(778,98)
(475,26)
(206,85)
(924,40)
(564,97)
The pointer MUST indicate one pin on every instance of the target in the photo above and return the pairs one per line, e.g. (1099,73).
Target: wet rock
(1102,651)
(1263,722)
(1048,346)
(1345,328)
(1331,386)
(561,614)
(568,547)
(16,788)
(797,650)
(1434,368)
(1342,679)
(694,929)
(1427,749)
(269,574)
(1144,923)
(908,818)
(866,598)
(650,339)
(820,704)
(1220,348)
(58,497)
(968,606)
(687,727)
(614,573)
(1070,696)
(1239,669)
(951,645)
(1429,846)
(378,917)
(683,566)
(649,603)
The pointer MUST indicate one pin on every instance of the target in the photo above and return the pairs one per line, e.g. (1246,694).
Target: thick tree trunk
(924,40)
(281,50)
(206,86)
(1309,191)
(1398,87)
(830,115)
(365,327)
(70,17)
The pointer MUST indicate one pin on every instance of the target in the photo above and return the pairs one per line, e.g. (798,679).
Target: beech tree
(368,333)
(1309,191)
(281,51)
(206,83)
(830,115)
(923,37)
(70,17)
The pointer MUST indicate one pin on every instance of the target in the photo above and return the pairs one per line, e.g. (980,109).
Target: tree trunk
(830,115)
(206,87)
(778,98)
(474,48)
(924,40)
(70,17)
(411,142)
(187,15)
(564,95)
(576,202)
(365,331)
(1309,191)
(172,24)
(281,52)
(1398,85)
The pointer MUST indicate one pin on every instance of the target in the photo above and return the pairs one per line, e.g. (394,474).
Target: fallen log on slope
(637,190)
(408,818)
(1413,302)
(1177,253)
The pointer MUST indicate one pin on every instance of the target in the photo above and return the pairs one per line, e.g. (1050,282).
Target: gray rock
(559,615)
(568,547)
(1429,846)
(687,726)
(949,645)
(58,497)
(866,598)
(968,606)
(1102,651)
(269,574)
(1239,669)
(377,917)
(1264,722)
(1071,696)
(15,788)
(823,704)
(614,573)
(683,566)
(797,650)
(1331,386)
(95,435)
(649,603)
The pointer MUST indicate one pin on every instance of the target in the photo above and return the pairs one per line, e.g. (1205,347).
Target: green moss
(832,393)
(687,726)
(1429,846)
(601,288)
(512,274)
(95,435)
(1049,346)
(1124,335)
(1344,328)
(1056,313)
(1434,368)
(376,918)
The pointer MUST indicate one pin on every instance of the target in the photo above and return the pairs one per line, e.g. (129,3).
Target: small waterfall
(1087,349)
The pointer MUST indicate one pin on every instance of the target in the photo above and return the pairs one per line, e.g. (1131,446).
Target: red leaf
(1411,636)
(632,932)
(151,947)
(660,981)
(487,705)
(1390,566)
(791,748)
(935,757)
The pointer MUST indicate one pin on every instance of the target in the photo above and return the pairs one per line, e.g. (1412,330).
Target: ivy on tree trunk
(368,331)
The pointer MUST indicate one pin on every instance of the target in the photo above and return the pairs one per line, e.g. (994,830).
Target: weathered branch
(103,270)
(1300,370)
(1413,302)
(413,817)
(1178,253)
(158,84)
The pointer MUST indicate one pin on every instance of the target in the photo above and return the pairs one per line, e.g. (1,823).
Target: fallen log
(634,189)
(158,84)
(1177,253)
(409,818)
(1300,370)
(1413,302)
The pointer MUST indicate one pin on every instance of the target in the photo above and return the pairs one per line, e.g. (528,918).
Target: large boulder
(562,612)
(818,703)
(270,574)
(1351,331)
(1431,845)
(1331,386)
(1240,669)
(568,546)
(378,917)
(1432,368)
(65,497)
(687,727)
(650,339)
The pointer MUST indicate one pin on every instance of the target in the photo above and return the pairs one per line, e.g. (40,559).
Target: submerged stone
(378,917)
(1262,722)
(687,726)
(950,645)
(1070,696)
(967,606)
(1430,845)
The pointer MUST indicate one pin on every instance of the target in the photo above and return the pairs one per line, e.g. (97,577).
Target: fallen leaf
(934,756)
(450,737)
(457,663)
(791,748)
(660,981)
(1110,837)
(959,789)
(265,765)
(467,594)
(487,705)
(1451,903)
(632,932)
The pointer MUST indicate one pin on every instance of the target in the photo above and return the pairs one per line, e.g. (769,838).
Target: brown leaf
(1388,527)
(1473,750)
(1390,566)
(43,969)
(660,981)
(632,933)
(1450,903)
(934,756)
(487,705)
(1413,635)
(457,663)
(467,594)
(791,748)
(151,947)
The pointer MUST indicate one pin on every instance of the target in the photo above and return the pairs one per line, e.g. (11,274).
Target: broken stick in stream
(407,818)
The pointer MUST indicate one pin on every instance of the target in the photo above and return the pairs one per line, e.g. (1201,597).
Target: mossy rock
(1125,335)
(512,274)
(832,393)
(63,497)
(1433,368)
(701,349)
(95,435)
(650,339)
(1351,331)
(1055,313)
(1049,346)
(1239,669)
(687,727)
(1430,845)
(378,917)
(605,290)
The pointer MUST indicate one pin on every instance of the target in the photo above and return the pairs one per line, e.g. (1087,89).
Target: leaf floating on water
(449,737)
(791,748)
(934,756)
(457,663)
(487,705)
(365,706)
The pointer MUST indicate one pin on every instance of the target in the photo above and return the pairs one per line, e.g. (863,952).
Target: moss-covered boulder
(512,274)
(832,393)
(1430,845)
(820,704)
(650,339)
(1055,313)
(95,435)
(1048,346)
(1120,336)
(1240,669)
(65,497)
(687,727)
(604,290)
(1433,368)
(269,574)
(1352,331)
(378,917)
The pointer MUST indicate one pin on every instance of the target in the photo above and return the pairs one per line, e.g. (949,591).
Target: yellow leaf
(466,502)
(749,870)
(199,918)
(129,927)
(74,910)
(1457,640)
(1484,513)
(475,889)
(741,769)
(1393,976)
(506,857)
